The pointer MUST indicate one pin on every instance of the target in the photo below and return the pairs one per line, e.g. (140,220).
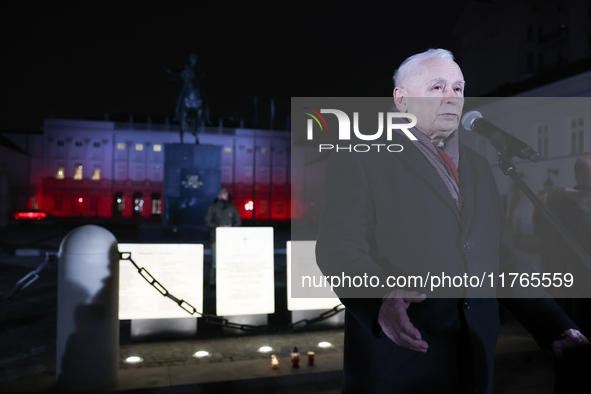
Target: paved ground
(28,332)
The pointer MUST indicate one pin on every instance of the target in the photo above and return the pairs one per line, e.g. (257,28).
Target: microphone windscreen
(469,118)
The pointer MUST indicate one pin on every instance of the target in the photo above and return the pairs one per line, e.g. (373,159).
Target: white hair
(411,63)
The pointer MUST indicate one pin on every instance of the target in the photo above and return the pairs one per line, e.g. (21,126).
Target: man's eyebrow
(442,80)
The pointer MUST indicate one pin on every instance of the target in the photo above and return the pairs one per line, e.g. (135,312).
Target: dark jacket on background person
(572,208)
(221,212)
(389,214)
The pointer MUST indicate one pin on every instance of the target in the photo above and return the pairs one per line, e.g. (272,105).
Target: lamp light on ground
(324,344)
(201,354)
(265,349)
(274,362)
(134,360)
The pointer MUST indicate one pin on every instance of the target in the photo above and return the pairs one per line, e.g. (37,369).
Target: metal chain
(220,321)
(29,278)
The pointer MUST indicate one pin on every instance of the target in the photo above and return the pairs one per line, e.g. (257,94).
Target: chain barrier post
(87,310)
(221,321)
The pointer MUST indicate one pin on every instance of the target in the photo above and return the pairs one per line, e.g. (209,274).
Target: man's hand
(569,340)
(395,323)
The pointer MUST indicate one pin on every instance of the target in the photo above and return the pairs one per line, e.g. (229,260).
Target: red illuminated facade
(110,170)
(99,198)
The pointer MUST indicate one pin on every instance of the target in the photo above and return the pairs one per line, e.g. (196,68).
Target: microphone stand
(508,168)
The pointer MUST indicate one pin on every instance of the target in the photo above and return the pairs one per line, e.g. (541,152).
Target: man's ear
(400,99)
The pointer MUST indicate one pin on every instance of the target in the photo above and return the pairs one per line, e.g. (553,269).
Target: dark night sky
(80,59)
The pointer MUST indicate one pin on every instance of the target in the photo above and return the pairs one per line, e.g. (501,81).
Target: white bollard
(87,310)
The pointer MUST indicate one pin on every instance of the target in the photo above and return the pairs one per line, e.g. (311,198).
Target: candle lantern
(274,362)
(295,358)
(310,358)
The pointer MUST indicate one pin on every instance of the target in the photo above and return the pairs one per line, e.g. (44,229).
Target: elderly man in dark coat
(434,203)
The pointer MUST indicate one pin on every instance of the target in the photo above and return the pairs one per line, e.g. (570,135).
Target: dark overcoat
(391,214)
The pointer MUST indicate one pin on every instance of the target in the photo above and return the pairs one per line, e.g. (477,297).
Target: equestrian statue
(192,110)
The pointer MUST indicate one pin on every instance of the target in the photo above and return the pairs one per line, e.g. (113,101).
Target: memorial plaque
(244,271)
(178,267)
(301,261)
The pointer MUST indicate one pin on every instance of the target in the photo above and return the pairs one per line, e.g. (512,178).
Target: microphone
(474,121)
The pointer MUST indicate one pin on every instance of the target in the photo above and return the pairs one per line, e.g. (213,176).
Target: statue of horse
(192,111)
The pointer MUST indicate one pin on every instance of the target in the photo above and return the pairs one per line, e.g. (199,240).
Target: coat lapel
(416,162)
(467,191)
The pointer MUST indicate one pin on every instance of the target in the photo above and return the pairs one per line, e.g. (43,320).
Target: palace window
(118,204)
(156,204)
(577,136)
(94,203)
(78,171)
(60,173)
(138,204)
(96,174)
(58,203)
(543,141)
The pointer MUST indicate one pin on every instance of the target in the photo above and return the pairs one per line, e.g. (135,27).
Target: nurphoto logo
(344,132)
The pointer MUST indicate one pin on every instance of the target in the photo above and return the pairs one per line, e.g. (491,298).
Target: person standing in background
(572,207)
(220,214)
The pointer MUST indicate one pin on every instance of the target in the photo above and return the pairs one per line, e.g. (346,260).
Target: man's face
(223,196)
(434,93)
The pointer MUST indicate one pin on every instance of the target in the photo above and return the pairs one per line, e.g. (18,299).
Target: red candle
(310,358)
